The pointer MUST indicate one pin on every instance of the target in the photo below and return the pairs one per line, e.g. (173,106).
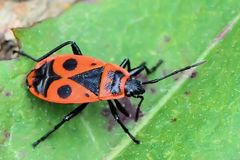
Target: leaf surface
(184,119)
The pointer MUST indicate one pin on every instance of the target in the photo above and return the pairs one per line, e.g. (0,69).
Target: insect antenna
(173,73)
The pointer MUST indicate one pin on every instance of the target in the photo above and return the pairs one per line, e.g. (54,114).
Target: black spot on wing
(70,64)
(90,79)
(64,91)
(87,95)
(93,64)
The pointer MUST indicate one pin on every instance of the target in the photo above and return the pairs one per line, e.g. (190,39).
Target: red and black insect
(76,78)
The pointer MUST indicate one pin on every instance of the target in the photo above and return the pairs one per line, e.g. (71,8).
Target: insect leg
(116,117)
(66,118)
(138,108)
(75,49)
(74,46)
(140,68)
(154,68)
(121,108)
(126,63)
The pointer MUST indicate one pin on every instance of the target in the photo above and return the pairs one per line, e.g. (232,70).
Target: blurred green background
(183,118)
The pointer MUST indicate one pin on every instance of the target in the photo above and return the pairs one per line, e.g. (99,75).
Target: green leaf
(197,119)
(184,119)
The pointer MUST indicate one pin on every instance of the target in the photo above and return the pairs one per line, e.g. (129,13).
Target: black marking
(44,76)
(111,75)
(93,64)
(114,85)
(70,64)
(90,79)
(64,91)
(108,86)
(116,82)
(87,95)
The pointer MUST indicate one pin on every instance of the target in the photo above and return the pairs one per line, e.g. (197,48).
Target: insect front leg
(141,67)
(154,68)
(126,63)
(116,117)
(138,108)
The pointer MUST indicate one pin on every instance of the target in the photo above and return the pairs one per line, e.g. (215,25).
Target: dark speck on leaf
(153,90)
(167,39)
(7,94)
(186,93)
(6,136)
(174,119)
(193,75)
(176,78)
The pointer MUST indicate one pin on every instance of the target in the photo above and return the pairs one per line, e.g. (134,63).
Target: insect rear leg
(116,117)
(66,118)
(76,50)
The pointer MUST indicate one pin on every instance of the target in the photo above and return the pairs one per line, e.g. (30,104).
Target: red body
(62,79)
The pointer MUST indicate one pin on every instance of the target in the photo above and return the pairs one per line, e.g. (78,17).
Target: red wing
(67,91)
(72,84)
(83,64)
(68,65)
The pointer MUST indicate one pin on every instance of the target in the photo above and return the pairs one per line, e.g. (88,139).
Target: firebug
(80,79)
